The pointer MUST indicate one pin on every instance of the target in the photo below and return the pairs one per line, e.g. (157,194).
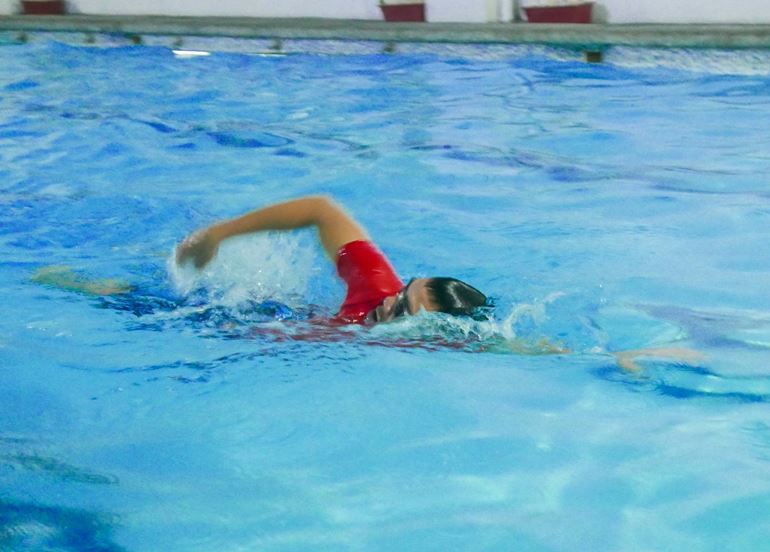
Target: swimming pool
(603,207)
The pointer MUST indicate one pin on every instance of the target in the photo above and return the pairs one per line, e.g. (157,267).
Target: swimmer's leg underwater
(63,277)
(120,295)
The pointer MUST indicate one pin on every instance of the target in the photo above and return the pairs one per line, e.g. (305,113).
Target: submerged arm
(627,359)
(335,227)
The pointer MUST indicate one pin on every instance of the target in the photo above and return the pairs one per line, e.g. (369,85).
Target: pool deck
(595,36)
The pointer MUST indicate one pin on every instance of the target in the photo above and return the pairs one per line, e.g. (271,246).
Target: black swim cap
(454,296)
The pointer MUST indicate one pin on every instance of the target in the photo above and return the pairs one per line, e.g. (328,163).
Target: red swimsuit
(370,279)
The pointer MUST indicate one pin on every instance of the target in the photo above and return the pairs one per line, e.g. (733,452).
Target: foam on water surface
(257,268)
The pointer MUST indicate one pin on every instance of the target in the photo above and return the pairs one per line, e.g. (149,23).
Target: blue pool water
(603,208)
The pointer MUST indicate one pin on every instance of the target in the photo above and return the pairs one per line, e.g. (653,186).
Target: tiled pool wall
(710,60)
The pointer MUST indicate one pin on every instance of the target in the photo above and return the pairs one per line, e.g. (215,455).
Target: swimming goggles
(400,305)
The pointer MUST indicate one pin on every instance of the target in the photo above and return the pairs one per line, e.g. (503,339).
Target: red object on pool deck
(403,12)
(576,13)
(43,7)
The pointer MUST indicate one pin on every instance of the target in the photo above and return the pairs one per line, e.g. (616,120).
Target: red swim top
(370,279)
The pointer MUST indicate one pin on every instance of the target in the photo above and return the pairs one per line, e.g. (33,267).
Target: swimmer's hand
(627,359)
(200,247)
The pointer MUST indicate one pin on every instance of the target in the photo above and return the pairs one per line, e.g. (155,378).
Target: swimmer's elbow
(325,211)
(323,206)
(335,226)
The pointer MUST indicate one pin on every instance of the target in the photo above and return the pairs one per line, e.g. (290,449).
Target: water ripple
(57,469)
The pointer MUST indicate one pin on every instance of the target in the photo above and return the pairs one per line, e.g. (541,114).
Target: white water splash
(273,266)
(519,331)
(535,312)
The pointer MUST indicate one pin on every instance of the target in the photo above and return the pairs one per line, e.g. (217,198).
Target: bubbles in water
(250,268)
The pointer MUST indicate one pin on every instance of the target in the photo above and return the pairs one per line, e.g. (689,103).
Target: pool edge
(733,36)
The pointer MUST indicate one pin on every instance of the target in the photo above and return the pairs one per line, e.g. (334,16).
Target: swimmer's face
(413,297)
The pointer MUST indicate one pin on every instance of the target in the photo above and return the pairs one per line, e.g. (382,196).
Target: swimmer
(375,293)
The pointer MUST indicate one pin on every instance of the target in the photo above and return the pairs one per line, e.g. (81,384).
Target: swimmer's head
(453,296)
(438,294)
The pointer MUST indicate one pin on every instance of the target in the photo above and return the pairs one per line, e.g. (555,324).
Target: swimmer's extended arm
(335,227)
(627,359)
